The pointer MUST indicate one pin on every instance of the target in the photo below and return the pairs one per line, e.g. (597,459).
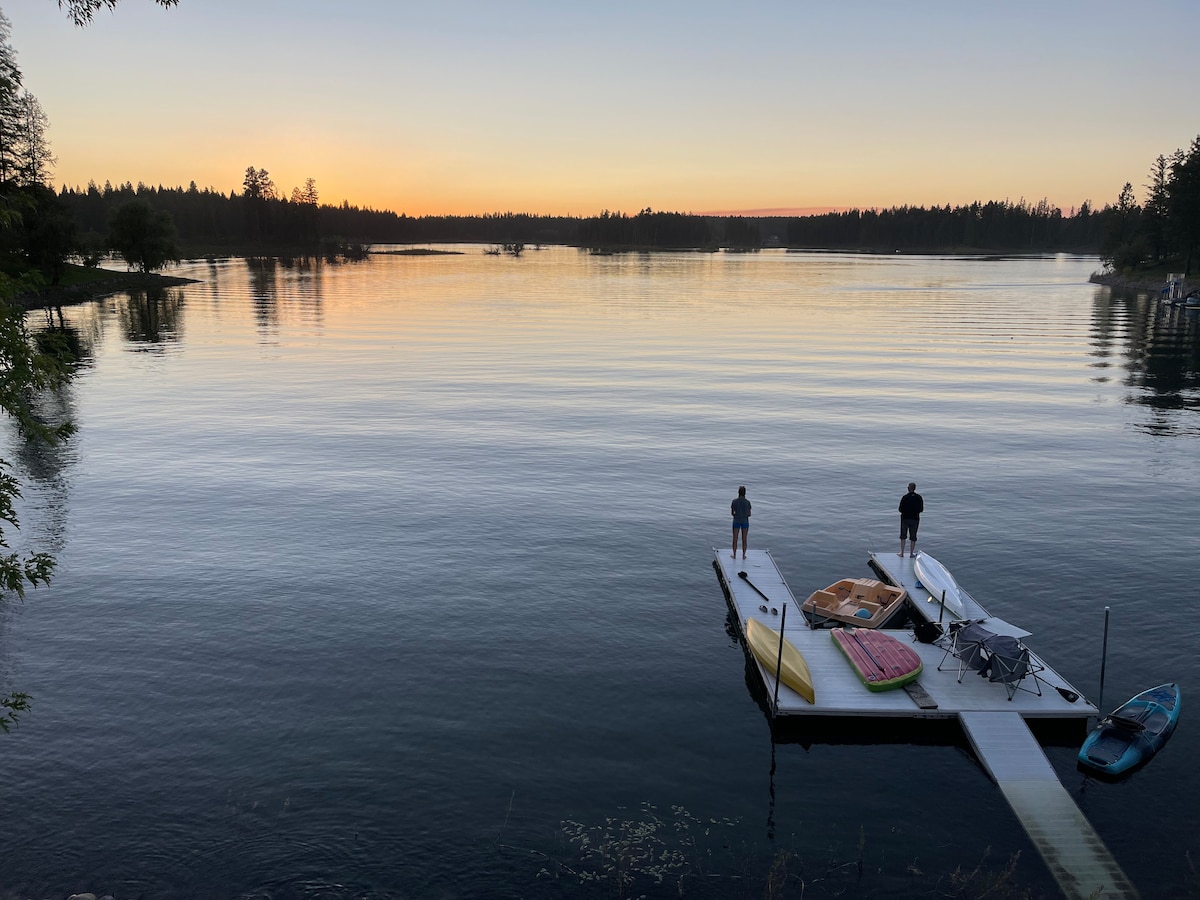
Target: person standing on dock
(740,509)
(911,507)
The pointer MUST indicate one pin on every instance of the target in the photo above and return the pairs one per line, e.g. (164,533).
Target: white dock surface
(1072,850)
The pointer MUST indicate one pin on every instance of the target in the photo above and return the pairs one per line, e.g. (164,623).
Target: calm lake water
(393,579)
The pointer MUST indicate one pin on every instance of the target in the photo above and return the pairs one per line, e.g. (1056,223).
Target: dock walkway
(1070,847)
(994,724)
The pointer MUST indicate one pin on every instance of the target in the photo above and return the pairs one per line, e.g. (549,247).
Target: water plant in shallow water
(648,854)
(627,853)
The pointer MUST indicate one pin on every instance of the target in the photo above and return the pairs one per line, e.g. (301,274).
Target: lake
(393,579)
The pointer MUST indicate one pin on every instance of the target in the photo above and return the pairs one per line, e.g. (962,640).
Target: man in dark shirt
(740,509)
(911,507)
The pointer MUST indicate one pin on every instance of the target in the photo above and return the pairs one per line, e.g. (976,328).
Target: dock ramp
(1070,847)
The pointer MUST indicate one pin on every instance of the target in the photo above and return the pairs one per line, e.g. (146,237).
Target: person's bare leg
(735,531)
(745,540)
(912,548)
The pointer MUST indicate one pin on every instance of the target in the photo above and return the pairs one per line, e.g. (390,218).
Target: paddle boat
(1130,735)
(881,662)
(863,602)
(764,644)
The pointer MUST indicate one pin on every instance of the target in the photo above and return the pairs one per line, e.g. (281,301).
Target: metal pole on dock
(942,611)
(1103,661)
(779,658)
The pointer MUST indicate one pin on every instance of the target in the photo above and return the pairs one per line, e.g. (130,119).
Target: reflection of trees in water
(151,318)
(295,283)
(39,463)
(82,333)
(44,467)
(263,290)
(71,344)
(1159,349)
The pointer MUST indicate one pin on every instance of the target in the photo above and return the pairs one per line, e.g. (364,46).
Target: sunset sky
(570,108)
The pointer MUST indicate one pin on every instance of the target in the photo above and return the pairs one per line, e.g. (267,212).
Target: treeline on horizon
(208,221)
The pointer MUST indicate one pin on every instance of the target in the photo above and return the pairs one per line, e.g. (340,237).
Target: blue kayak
(1129,736)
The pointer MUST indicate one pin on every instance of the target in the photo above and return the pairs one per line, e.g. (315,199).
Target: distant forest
(209,221)
(258,220)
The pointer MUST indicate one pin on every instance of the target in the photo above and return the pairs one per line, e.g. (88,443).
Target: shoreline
(1151,283)
(85,291)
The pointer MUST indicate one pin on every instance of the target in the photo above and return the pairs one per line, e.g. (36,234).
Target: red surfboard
(880,661)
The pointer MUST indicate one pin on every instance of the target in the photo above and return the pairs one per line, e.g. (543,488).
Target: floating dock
(994,722)
(840,693)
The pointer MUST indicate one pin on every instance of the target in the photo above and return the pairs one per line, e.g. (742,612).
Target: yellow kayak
(764,643)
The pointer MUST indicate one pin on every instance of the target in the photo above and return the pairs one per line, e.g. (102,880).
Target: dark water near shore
(376,578)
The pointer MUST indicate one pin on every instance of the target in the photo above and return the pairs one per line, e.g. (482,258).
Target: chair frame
(967,653)
(978,654)
(1008,667)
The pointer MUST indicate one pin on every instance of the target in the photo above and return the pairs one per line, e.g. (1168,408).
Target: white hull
(936,579)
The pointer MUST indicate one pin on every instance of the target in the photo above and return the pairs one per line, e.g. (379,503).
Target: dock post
(942,611)
(1103,661)
(779,658)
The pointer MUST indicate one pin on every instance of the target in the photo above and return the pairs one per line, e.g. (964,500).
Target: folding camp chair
(1010,663)
(966,642)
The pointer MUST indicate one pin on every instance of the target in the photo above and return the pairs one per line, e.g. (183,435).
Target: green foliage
(1183,200)
(1129,256)
(743,233)
(15,573)
(26,371)
(33,224)
(996,226)
(25,156)
(1167,226)
(82,11)
(1154,211)
(144,236)
(648,229)
(47,235)
(10,706)
(258,185)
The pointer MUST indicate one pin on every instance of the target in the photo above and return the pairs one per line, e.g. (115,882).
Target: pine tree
(33,157)
(10,106)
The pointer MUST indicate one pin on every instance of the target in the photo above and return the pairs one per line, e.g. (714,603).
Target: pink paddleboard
(880,661)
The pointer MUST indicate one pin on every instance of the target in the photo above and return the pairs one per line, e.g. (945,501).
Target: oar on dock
(746,578)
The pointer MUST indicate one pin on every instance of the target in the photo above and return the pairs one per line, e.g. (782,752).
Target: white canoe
(936,579)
